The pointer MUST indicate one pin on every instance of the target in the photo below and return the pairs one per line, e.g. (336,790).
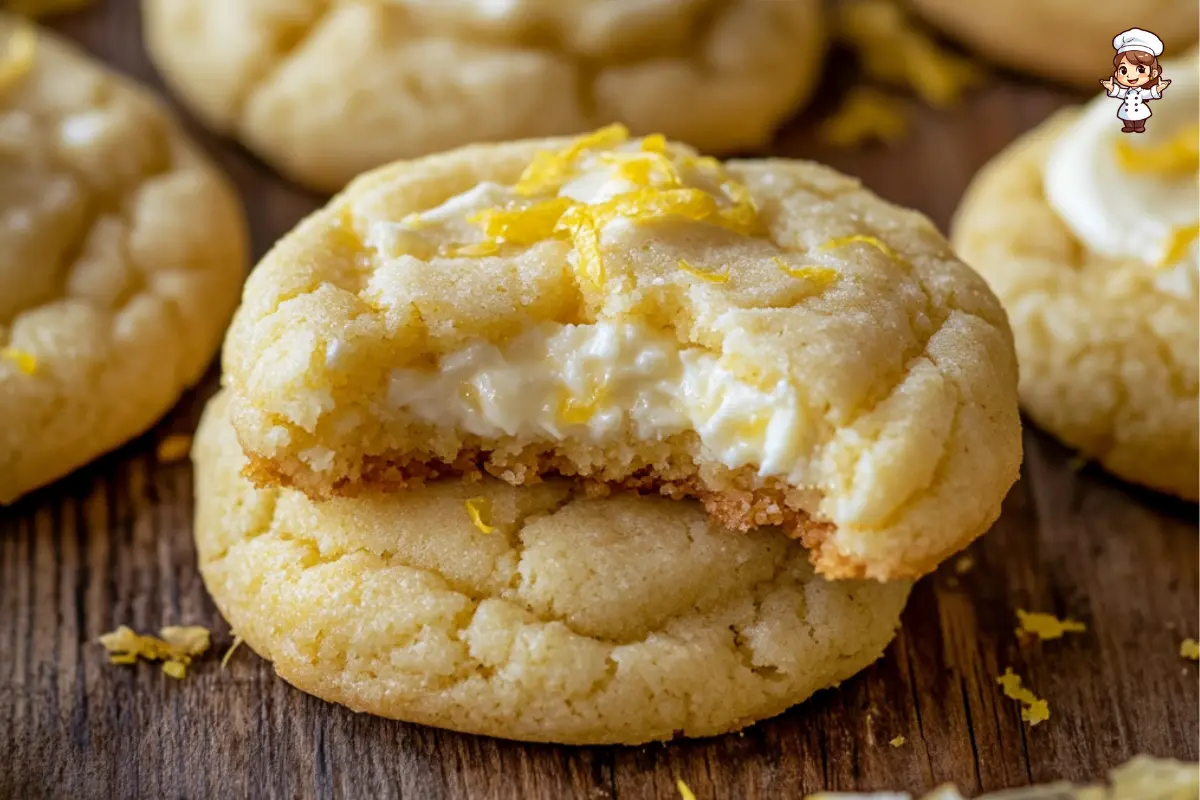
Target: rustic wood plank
(111,545)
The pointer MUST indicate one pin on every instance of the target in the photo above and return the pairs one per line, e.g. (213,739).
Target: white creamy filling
(599,383)
(1120,213)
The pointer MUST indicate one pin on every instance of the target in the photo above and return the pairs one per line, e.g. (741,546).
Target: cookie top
(1069,41)
(121,256)
(526,612)
(1089,237)
(325,90)
(877,369)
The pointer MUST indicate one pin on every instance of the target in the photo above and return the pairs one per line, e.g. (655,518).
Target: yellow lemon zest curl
(858,238)
(1046,626)
(704,275)
(477,509)
(237,642)
(684,791)
(1033,709)
(550,170)
(822,276)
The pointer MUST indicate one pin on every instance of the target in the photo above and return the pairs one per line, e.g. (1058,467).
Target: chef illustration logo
(1137,79)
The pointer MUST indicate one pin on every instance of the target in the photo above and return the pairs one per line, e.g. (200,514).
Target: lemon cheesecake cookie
(1068,41)
(326,89)
(766,336)
(1088,235)
(526,612)
(121,256)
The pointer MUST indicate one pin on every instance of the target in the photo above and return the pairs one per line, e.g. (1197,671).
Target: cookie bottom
(573,619)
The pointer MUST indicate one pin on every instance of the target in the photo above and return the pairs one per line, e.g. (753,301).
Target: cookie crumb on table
(175,646)
(1033,709)
(1046,626)
(1190,648)
(898,741)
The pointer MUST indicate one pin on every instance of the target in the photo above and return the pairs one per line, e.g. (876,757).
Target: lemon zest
(174,645)
(866,115)
(580,223)
(527,225)
(477,507)
(548,170)
(1046,626)
(1182,237)
(1178,155)
(819,275)
(237,642)
(573,411)
(1190,648)
(173,448)
(1033,709)
(704,275)
(17,57)
(654,143)
(898,741)
(25,361)
(878,244)
(684,791)
(641,168)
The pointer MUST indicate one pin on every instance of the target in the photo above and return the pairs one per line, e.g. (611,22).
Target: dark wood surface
(112,545)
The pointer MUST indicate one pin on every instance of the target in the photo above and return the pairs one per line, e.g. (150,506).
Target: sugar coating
(1083,32)
(326,89)
(902,364)
(121,257)
(618,620)
(1109,360)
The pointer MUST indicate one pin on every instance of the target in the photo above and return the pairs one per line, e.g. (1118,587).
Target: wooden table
(112,545)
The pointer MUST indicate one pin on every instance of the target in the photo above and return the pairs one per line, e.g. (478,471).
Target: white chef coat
(1134,107)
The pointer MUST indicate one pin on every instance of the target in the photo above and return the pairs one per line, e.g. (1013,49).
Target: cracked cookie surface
(1109,361)
(326,89)
(766,336)
(574,620)
(122,252)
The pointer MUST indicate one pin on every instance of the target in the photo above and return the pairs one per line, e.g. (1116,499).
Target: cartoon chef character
(1137,78)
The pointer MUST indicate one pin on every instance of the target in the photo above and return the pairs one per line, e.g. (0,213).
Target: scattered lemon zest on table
(895,51)
(1033,709)
(819,275)
(898,741)
(684,791)
(704,275)
(237,642)
(1190,648)
(176,646)
(1046,626)
(17,56)
(866,115)
(25,361)
(858,238)
(1182,237)
(477,508)
(1178,155)
(173,448)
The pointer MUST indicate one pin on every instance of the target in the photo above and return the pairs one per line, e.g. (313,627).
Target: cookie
(526,612)
(767,336)
(1068,41)
(1088,237)
(122,252)
(326,90)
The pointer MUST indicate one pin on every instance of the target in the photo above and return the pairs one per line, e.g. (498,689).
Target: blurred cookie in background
(324,91)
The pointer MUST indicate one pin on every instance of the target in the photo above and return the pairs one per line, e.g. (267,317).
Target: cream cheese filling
(603,383)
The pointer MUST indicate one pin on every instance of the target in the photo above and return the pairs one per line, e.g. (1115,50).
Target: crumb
(173,448)
(684,791)
(1046,626)
(1190,648)
(175,647)
(964,564)
(898,741)
(1033,709)
(867,115)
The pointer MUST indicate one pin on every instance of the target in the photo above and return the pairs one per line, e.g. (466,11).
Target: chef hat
(1138,39)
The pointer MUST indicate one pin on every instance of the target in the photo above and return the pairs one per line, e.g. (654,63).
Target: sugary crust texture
(1079,48)
(121,255)
(326,89)
(907,363)
(582,621)
(1108,362)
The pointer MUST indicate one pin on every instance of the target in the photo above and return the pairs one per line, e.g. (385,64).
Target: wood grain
(111,545)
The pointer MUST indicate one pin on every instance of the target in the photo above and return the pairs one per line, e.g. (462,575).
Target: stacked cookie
(122,250)
(597,440)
